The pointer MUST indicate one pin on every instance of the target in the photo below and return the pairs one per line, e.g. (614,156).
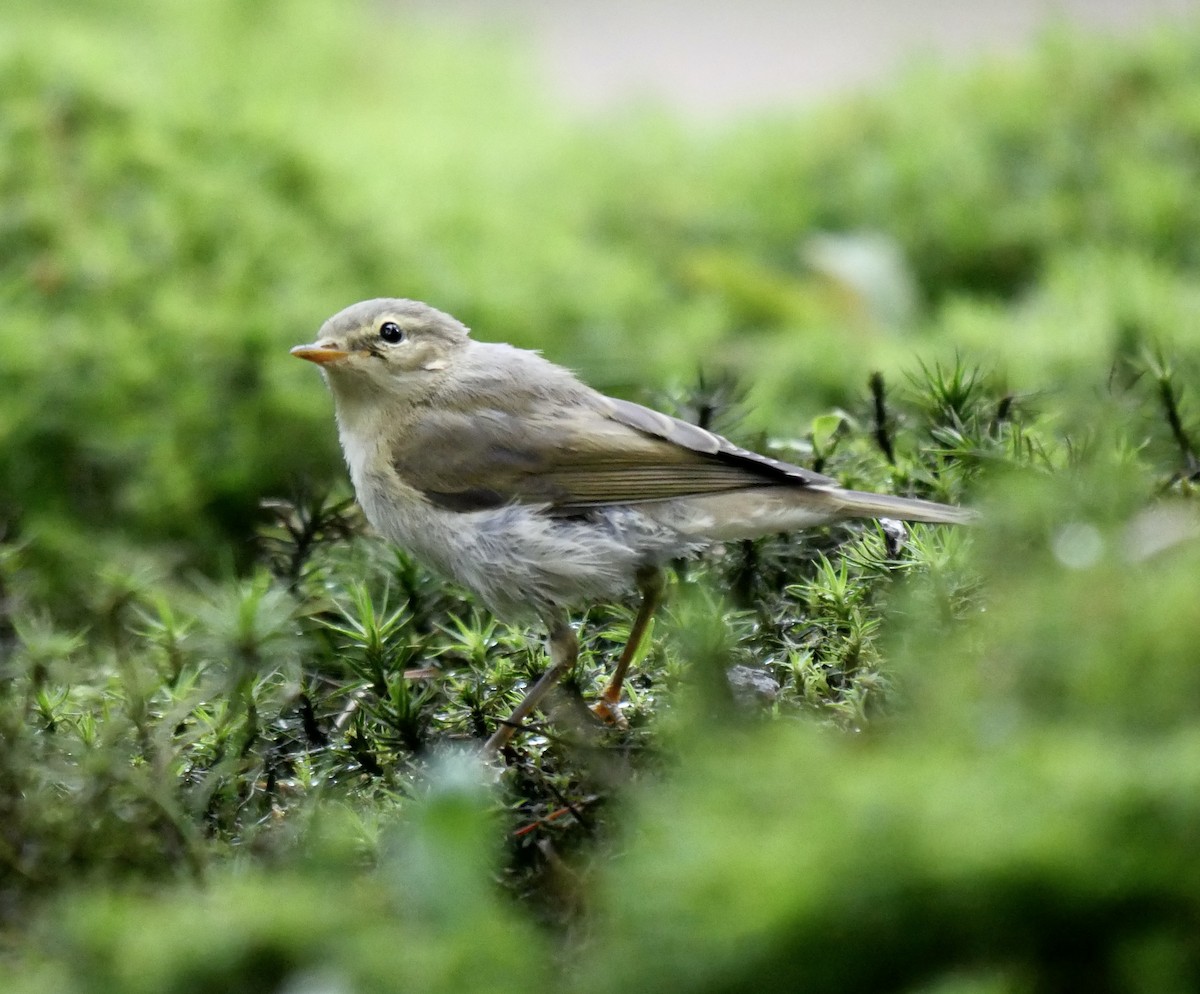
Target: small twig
(1170,402)
(568,808)
(534,825)
(308,719)
(307,521)
(1003,410)
(363,756)
(881,431)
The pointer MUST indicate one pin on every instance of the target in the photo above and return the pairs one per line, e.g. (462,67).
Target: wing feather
(601,451)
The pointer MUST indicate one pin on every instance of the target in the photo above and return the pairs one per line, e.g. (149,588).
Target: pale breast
(518,560)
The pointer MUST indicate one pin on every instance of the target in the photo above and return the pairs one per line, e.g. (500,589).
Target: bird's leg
(564,650)
(651,584)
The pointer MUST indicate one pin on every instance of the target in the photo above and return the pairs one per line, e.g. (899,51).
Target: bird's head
(389,346)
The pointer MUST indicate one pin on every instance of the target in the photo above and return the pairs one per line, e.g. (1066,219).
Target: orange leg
(650,583)
(564,650)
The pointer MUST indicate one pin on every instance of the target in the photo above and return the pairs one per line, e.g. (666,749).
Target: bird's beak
(320,354)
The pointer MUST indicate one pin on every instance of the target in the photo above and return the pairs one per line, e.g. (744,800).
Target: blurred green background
(188,798)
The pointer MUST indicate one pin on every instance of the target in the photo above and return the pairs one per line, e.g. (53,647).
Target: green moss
(225,728)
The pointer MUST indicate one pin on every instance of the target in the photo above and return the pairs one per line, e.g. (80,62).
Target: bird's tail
(856,503)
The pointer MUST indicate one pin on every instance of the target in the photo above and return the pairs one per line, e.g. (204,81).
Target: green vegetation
(233,726)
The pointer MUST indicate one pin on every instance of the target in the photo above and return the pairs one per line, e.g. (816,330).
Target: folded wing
(602,452)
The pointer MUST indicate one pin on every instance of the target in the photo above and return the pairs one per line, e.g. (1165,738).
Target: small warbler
(503,471)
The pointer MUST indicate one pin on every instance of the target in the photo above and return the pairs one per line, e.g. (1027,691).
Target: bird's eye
(391,332)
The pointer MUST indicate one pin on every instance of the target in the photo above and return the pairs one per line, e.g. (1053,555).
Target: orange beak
(320,354)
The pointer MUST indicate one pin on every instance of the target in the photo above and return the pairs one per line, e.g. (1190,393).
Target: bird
(505,472)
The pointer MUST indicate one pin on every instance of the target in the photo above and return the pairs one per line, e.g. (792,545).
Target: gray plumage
(505,472)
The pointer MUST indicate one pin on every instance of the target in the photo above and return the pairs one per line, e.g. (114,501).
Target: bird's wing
(760,470)
(591,452)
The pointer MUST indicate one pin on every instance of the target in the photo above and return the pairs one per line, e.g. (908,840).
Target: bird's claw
(608,711)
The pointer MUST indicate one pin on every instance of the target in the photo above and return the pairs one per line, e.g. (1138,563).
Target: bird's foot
(608,711)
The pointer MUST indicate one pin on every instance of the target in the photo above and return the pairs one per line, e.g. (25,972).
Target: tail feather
(856,503)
